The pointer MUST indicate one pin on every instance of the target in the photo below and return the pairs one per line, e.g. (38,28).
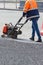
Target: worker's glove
(24,14)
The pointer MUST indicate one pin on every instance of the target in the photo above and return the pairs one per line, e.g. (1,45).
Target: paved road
(20,52)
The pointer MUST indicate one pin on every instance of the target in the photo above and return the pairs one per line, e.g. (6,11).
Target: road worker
(30,10)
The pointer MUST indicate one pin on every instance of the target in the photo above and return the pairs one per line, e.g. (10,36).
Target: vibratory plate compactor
(11,31)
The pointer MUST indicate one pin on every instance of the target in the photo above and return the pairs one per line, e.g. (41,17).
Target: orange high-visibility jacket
(31,8)
(5,29)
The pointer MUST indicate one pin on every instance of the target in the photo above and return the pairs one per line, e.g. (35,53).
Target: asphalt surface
(20,52)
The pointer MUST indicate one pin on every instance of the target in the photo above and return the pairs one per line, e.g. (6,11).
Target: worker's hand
(24,14)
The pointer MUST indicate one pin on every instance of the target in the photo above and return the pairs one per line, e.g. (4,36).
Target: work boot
(31,39)
(39,40)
